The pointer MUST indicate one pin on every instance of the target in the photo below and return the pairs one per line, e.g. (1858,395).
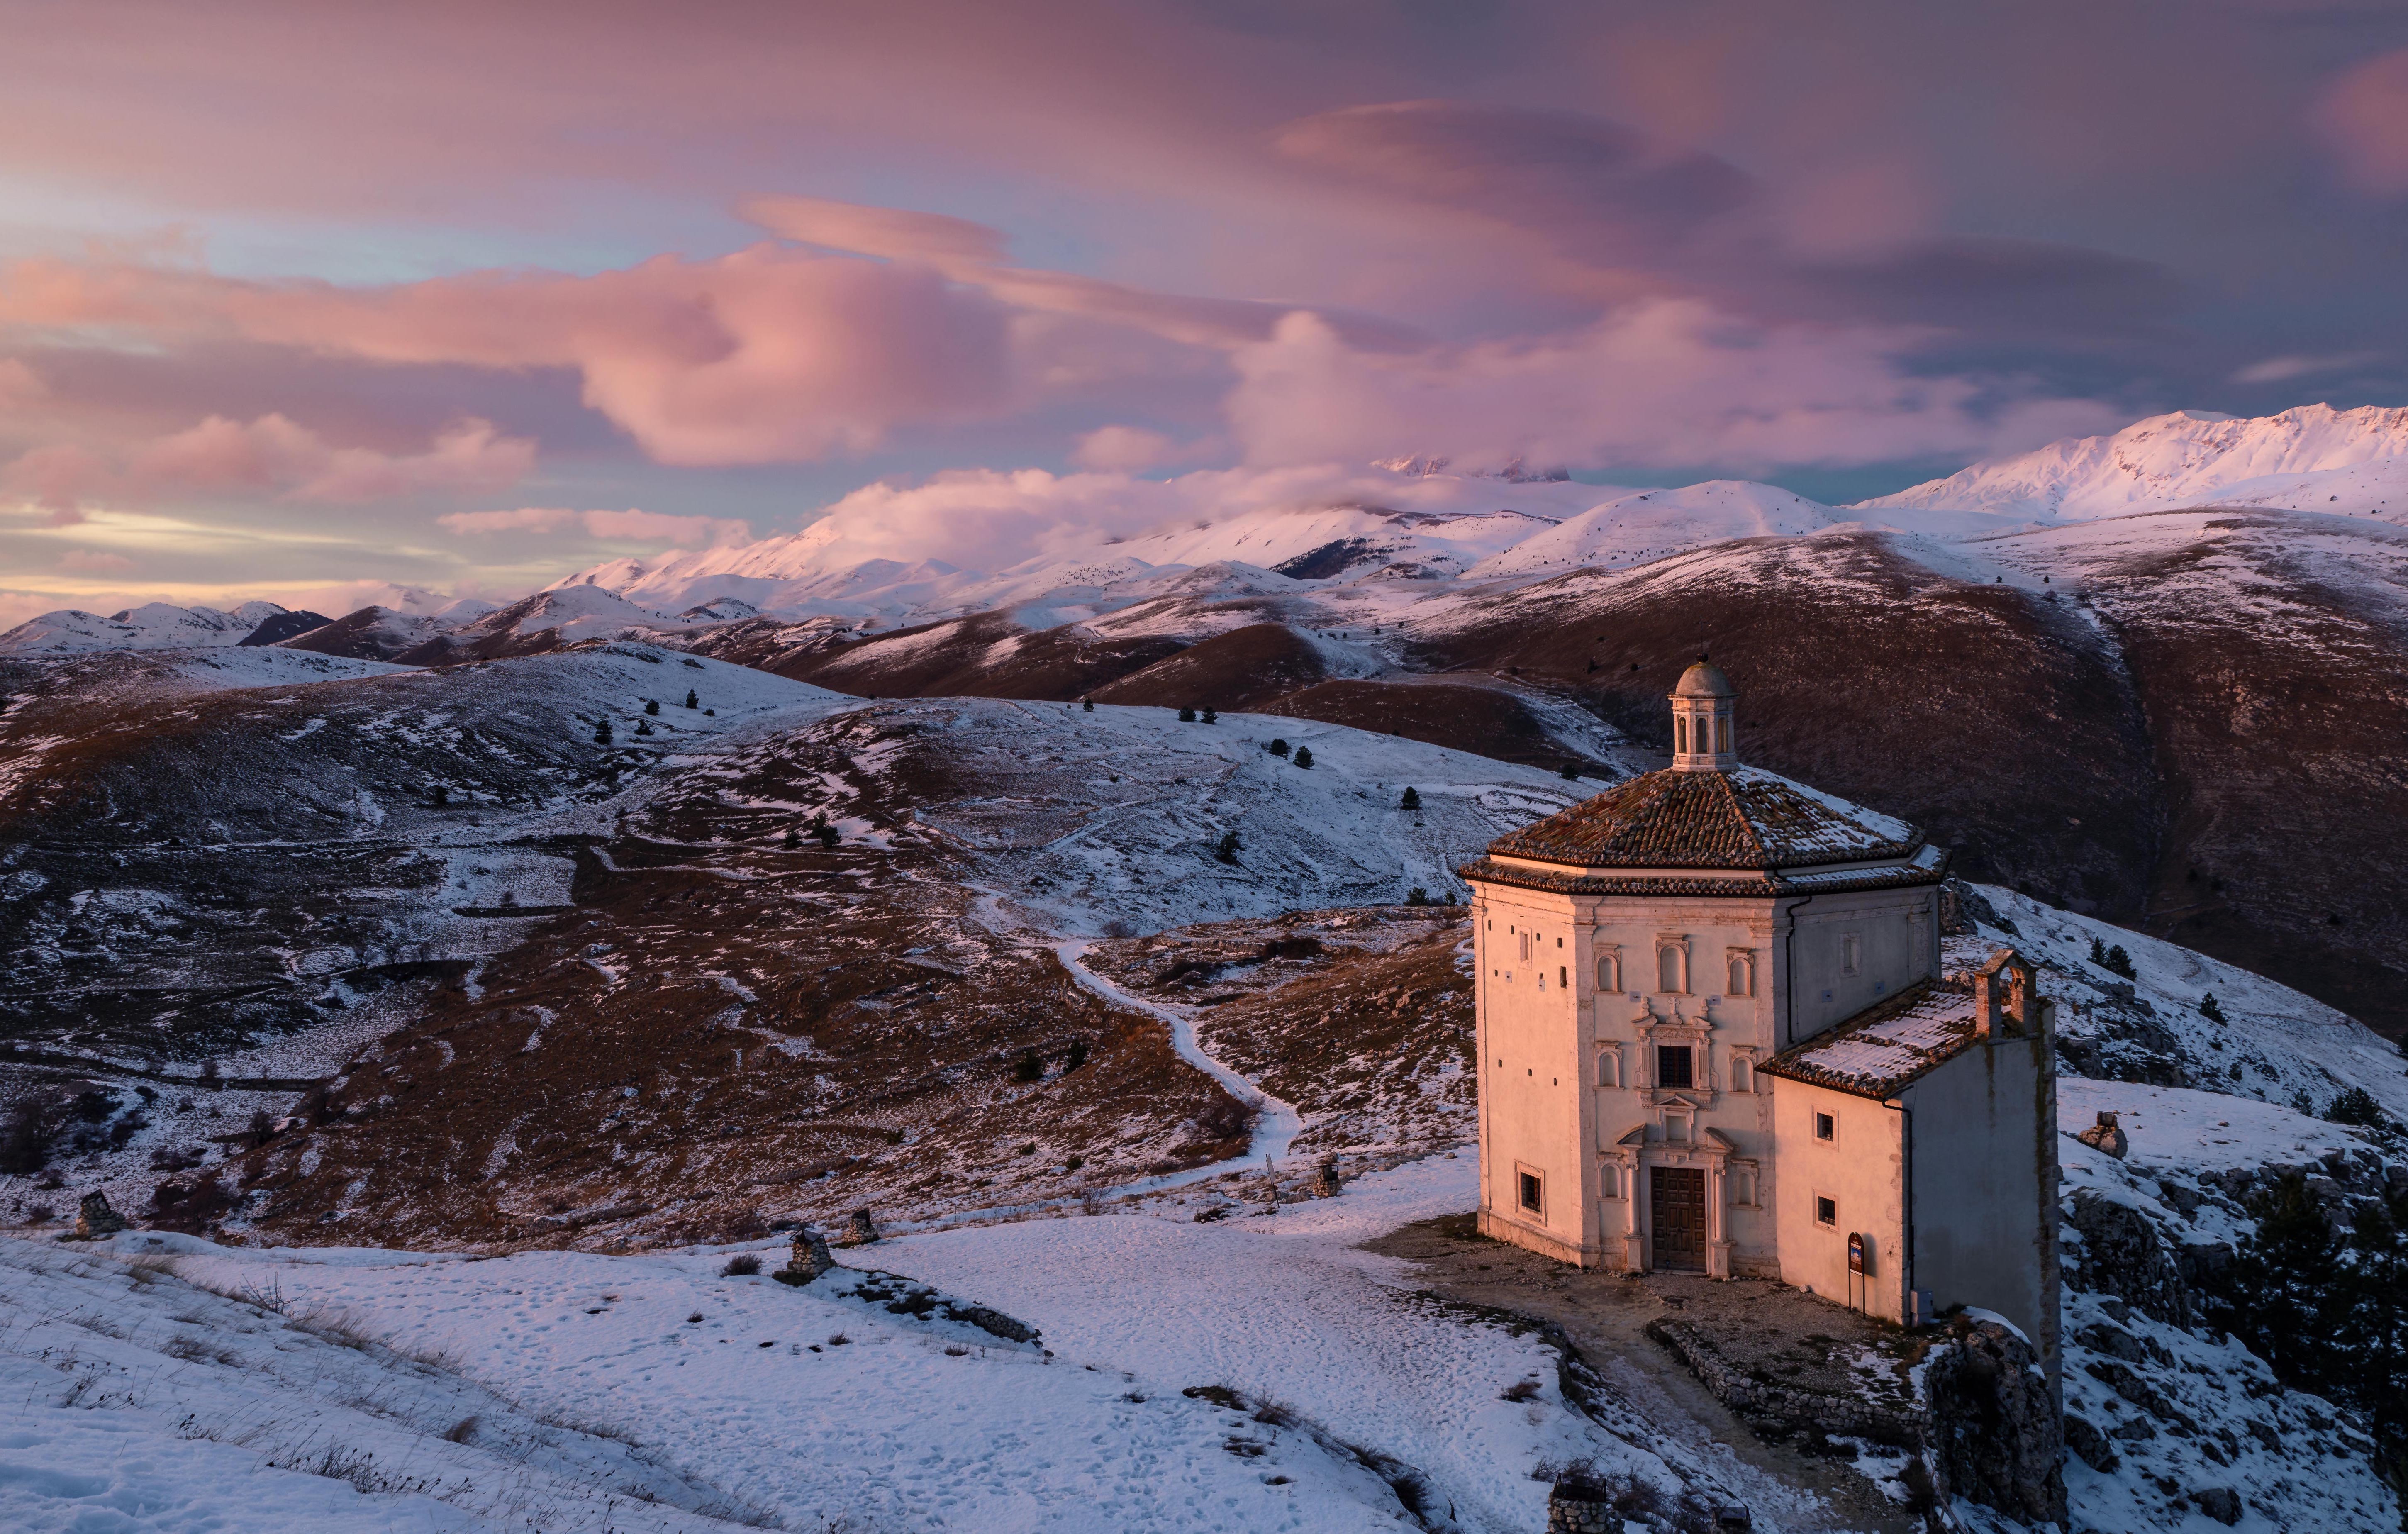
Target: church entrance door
(1677,1204)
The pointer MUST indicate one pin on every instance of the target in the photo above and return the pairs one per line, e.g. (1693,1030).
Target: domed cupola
(1703,707)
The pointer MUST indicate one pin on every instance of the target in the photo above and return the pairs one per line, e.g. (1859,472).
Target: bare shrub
(742,1265)
(838,1339)
(1521,1390)
(193,1350)
(461,1431)
(1225,1118)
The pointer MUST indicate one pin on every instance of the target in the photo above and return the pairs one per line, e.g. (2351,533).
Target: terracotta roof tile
(1746,818)
(1881,1049)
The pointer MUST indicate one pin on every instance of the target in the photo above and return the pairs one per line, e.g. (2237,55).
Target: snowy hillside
(2313,457)
(1655,522)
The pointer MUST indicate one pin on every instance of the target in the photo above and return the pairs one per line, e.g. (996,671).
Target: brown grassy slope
(1244,668)
(2278,705)
(727,1031)
(1362,1020)
(1467,715)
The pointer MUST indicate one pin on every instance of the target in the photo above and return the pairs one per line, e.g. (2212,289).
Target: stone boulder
(859,1229)
(95,1219)
(807,1259)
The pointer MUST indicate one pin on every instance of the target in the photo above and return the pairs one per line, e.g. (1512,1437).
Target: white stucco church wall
(1714,1035)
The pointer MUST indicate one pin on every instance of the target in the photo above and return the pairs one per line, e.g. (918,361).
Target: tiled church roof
(1881,1049)
(1746,818)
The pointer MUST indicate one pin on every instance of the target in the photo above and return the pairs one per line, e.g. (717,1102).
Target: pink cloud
(685,532)
(270,453)
(92,561)
(769,354)
(1664,383)
(2363,119)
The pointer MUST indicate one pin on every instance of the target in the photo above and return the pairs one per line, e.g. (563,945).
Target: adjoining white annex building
(1714,1035)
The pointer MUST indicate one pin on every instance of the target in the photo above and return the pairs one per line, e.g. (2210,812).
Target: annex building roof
(1884,1047)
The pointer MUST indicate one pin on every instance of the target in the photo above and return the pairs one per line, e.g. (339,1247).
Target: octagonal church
(1715,1034)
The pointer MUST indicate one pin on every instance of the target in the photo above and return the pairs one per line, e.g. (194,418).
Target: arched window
(1681,733)
(1708,734)
(1743,1079)
(1609,1065)
(1671,969)
(1743,975)
(1609,971)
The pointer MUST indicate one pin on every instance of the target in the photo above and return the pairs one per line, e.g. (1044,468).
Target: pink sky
(294,297)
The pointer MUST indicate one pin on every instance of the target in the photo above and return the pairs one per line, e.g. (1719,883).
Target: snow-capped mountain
(1651,523)
(2309,458)
(155,625)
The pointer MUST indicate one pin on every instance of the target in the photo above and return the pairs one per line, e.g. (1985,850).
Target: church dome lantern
(1704,716)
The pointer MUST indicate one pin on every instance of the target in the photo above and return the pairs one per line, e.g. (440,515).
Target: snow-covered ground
(599,1383)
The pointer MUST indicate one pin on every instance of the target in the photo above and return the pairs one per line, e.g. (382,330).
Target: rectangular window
(1673,1065)
(1533,1194)
(1852,953)
(1563,976)
(1826,1212)
(1825,1129)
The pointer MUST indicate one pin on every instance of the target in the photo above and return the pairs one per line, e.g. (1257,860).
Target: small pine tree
(2356,1105)
(1571,772)
(2121,962)
(1450,897)
(1212,716)
(793,839)
(1304,756)
(691,701)
(1227,851)
(1412,800)
(1187,716)
(651,706)
(1078,1055)
(2211,1009)
(828,835)
(2099,952)
(1031,1068)
(643,727)
(1418,897)
(440,794)
(1277,748)
(602,732)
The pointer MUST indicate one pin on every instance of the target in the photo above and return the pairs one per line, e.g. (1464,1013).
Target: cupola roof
(1704,679)
(1743,818)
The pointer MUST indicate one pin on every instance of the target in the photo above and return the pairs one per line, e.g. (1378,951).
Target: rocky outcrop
(1983,1424)
(1995,1430)
(2120,1252)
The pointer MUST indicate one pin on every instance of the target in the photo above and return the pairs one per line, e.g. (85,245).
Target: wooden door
(1677,1206)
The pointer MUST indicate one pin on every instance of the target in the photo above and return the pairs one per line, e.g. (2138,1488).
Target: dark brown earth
(1765,1326)
(1360,1020)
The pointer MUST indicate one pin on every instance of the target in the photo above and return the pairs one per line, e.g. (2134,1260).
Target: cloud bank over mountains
(416,328)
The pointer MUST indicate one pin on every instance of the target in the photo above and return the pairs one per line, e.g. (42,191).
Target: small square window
(1673,1065)
(1533,1194)
(1826,1212)
(1824,1127)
